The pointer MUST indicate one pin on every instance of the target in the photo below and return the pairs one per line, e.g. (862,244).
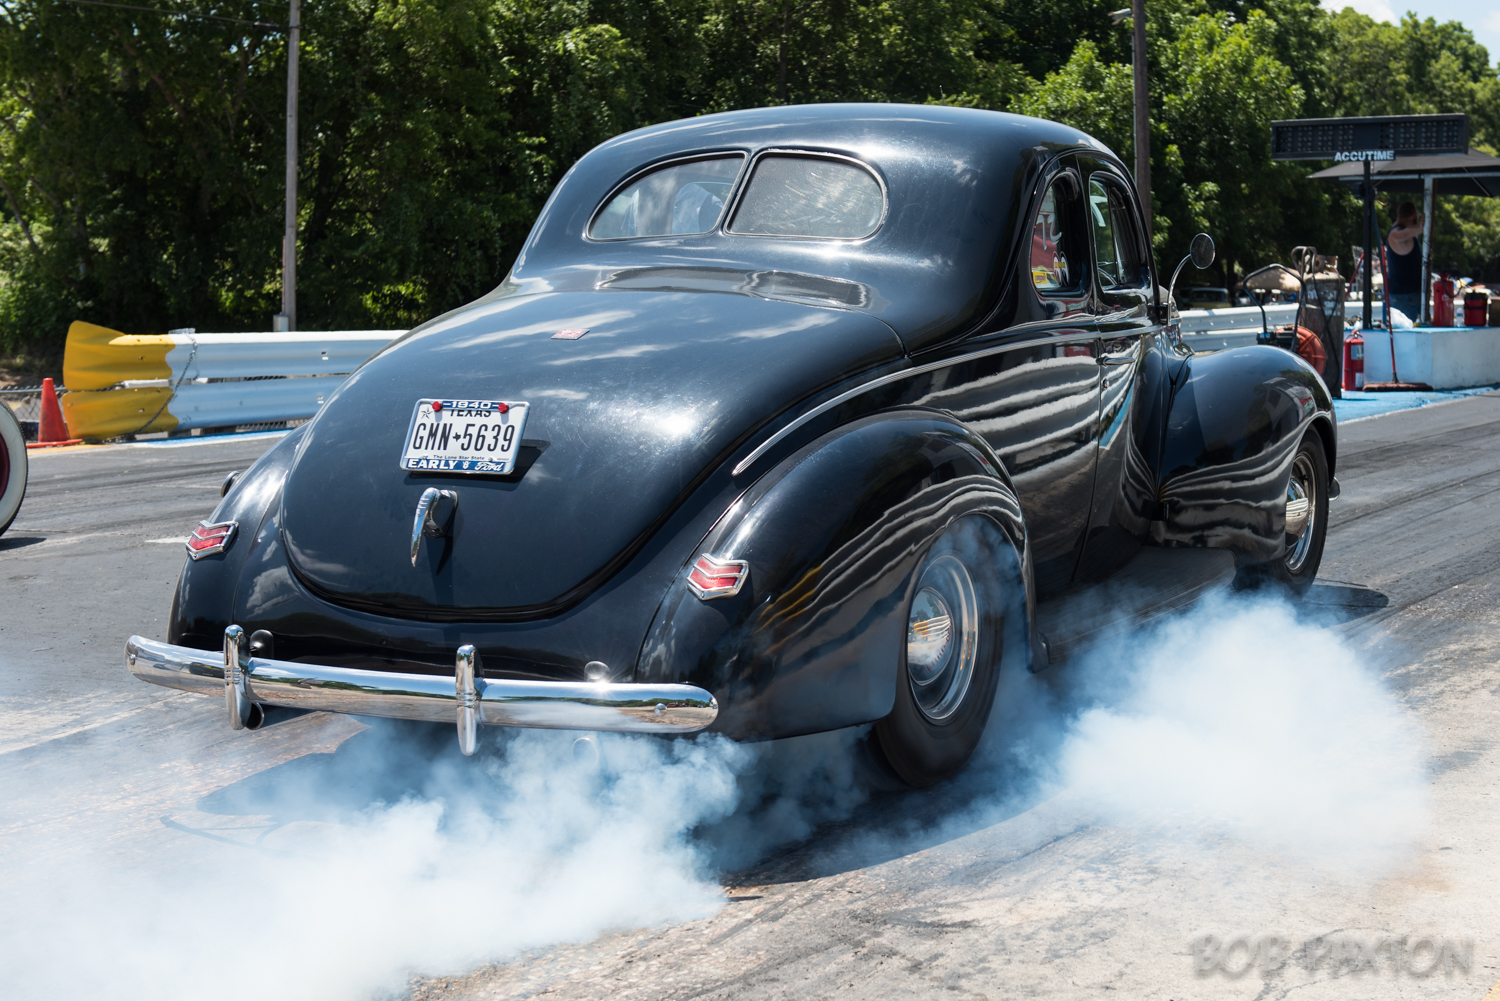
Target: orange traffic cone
(53,427)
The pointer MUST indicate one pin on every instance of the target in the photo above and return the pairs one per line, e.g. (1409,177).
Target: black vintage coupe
(785,420)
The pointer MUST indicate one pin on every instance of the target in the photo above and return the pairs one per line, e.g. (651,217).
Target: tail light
(208,539)
(712,577)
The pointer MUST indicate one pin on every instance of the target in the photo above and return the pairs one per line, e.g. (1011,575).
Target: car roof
(957,179)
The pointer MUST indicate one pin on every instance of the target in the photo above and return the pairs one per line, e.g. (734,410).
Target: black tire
(1298,568)
(930,734)
(12,467)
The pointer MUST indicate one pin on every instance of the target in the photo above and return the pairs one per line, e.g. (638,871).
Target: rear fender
(1232,432)
(205,590)
(813,639)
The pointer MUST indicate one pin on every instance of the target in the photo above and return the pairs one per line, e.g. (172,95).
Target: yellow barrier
(109,413)
(97,358)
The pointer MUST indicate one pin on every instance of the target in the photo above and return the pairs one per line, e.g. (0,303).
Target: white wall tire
(12,467)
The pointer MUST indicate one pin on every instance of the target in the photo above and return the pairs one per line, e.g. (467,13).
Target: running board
(1156,582)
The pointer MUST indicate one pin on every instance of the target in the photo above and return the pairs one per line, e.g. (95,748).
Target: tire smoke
(344,894)
(1241,719)
(341,875)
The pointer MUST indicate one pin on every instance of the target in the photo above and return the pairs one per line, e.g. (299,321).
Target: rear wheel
(950,660)
(12,467)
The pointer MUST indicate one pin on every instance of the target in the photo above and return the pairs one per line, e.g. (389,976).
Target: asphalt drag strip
(1321,866)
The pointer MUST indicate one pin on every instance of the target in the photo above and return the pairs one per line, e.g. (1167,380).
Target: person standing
(1403,273)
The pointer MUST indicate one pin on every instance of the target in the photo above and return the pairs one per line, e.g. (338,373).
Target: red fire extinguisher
(1354,362)
(1442,301)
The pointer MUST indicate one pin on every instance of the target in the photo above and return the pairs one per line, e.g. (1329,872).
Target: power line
(180,13)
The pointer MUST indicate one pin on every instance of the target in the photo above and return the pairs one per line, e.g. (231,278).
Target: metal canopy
(1469,173)
(1430,147)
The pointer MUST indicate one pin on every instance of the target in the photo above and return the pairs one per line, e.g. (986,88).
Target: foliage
(1422,67)
(142,163)
(143,157)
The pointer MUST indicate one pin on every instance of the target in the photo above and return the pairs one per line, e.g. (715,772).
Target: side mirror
(1202,251)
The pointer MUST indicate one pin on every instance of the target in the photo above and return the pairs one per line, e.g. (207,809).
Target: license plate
(464,436)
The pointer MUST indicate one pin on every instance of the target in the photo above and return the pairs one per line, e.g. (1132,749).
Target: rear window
(679,200)
(810,196)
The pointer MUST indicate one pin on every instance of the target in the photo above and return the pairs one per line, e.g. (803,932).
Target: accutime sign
(1361,139)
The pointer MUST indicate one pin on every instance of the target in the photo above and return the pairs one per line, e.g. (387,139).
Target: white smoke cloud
(1241,719)
(1238,720)
(524,850)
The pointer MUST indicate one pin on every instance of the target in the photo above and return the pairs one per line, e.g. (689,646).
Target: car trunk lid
(623,421)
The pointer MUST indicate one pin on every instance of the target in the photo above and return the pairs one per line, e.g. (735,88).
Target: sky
(1482,18)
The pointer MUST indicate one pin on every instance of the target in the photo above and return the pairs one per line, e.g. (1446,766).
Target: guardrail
(123,384)
(1217,329)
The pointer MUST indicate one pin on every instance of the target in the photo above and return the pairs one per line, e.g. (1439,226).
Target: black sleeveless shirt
(1403,271)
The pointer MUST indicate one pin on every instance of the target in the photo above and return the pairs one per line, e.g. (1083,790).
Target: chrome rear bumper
(466,699)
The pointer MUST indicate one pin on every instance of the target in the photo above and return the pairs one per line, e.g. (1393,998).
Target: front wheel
(950,661)
(1306,517)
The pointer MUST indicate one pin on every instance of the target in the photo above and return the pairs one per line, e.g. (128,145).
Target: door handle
(1117,360)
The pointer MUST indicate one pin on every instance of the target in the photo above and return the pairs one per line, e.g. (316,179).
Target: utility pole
(1137,15)
(1428,204)
(1142,111)
(1367,192)
(287,318)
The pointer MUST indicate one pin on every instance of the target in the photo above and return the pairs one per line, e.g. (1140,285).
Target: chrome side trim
(886,380)
(554,705)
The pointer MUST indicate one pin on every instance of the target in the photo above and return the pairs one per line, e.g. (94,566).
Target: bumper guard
(467,699)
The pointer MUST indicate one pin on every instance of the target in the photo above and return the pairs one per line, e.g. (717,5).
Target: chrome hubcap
(942,637)
(1301,512)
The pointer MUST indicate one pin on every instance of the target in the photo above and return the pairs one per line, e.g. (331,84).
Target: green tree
(768,52)
(142,155)
(1422,67)
(1216,86)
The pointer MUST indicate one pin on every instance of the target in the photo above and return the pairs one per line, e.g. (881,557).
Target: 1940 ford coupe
(785,420)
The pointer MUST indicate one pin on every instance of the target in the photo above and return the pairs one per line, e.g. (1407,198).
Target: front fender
(832,535)
(1233,429)
(205,590)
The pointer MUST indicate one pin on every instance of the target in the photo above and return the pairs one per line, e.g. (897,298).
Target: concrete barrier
(1442,357)
(123,384)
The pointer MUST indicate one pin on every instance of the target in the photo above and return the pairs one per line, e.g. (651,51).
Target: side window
(1117,245)
(679,200)
(1054,258)
(810,197)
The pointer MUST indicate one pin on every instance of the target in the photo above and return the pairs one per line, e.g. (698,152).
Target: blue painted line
(1357,406)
